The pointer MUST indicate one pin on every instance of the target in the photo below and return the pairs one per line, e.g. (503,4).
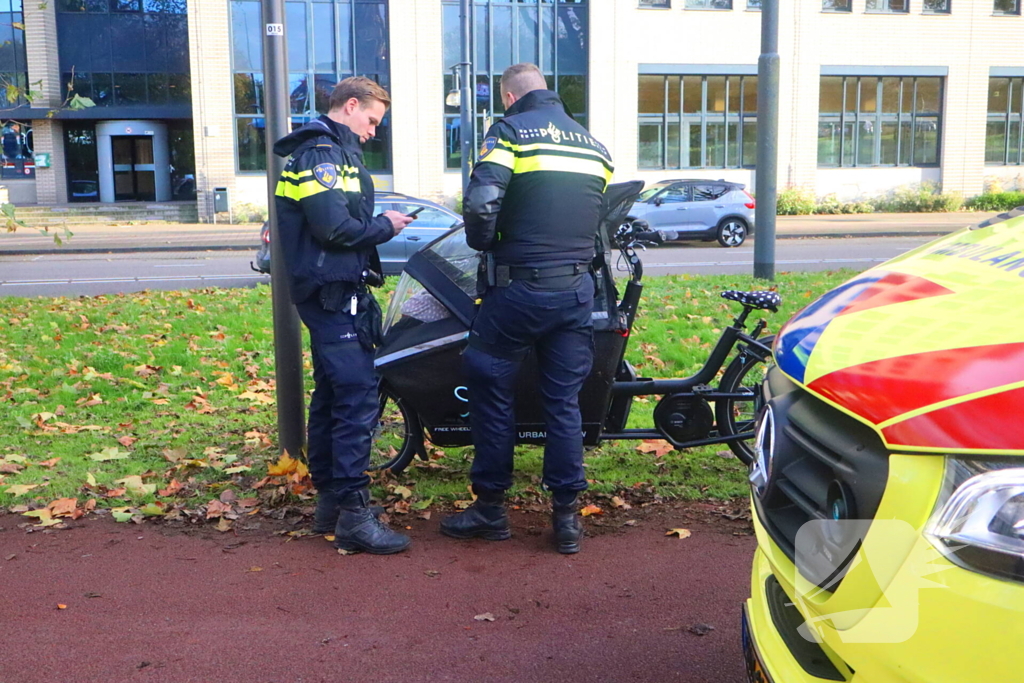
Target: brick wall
(212,100)
(44,77)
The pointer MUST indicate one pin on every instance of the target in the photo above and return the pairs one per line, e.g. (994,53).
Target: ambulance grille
(819,450)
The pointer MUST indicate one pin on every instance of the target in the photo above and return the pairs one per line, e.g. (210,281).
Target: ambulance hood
(928,349)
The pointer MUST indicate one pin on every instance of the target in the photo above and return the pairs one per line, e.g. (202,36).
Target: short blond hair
(361,88)
(520,79)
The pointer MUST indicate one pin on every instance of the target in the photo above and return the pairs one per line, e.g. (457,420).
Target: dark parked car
(698,210)
(432,222)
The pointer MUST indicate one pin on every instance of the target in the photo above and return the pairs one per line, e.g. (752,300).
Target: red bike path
(154,603)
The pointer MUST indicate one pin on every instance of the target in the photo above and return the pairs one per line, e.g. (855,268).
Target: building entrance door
(134,168)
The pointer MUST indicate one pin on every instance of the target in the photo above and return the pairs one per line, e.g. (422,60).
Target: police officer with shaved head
(329,236)
(532,205)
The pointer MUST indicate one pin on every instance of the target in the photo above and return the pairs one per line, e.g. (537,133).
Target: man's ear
(351,105)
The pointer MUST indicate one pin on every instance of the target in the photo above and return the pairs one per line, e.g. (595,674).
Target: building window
(708,4)
(697,122)
(659,4)
(104,6)
(879,121)
(754,5)
(16,146)
(1004,134)
(13,67)
(327,41)
(835,6)
(1006,7)
(554,36)
(888,6)
(99,63)
(936,7)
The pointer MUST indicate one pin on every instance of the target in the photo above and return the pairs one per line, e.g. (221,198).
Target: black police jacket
(325,208)
(535,195)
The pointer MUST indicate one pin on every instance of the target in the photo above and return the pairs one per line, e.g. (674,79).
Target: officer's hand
(398,220)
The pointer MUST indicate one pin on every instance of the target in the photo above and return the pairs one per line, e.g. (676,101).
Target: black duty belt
(505,274)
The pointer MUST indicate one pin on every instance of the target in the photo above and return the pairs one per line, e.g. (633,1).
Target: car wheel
(731,232)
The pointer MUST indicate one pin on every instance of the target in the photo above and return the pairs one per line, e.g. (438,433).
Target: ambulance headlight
(980,522)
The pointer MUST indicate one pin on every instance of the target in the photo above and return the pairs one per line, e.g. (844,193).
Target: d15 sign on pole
(766,181)
(291,405)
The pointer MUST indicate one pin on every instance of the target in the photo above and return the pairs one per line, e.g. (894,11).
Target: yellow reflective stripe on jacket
(299,191)
(303,184)
(500,156)
(564,164)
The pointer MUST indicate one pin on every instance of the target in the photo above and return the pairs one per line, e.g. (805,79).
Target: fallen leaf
(237,469)
(11,556)
(21,489)
(620,503)
(255,569)
(656,446)
(215,509)
(127,441)
(60,606)
(63,507)
(486,616)
(462,504)
(432,573)
(111,453)
(681,533)
(701,629)
(121,514)
(223,525)
(10,468)
(171,489)
(404,491)
(49,463)
(174,454)
(284,466)
(152,510)
(90,480)
(591,510)
(134,484)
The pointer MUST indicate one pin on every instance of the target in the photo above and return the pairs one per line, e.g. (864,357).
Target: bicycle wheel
(396,436)
(744,375)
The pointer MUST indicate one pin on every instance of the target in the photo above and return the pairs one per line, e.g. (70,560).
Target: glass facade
(13,67)
(1004,134)
(879,121)
(553,34)
(327,41)
(697,122)
(835,5)
(97,62)
(936,6)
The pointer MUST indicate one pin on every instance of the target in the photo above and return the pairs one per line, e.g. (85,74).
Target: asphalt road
(92,274)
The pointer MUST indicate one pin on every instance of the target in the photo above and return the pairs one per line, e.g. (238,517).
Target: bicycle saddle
(765,300)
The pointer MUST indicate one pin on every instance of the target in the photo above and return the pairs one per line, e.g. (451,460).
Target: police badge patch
(488,145)
(326,175)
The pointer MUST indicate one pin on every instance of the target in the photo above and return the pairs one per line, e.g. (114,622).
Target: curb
(255,247)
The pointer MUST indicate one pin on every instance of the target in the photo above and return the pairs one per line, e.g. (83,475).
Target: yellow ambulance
(888,477)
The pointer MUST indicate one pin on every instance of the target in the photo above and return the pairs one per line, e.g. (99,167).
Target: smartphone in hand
(413,214)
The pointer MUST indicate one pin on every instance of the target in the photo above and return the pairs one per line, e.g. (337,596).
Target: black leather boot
(485,518)
(359,530)
(327,507)
(566,522)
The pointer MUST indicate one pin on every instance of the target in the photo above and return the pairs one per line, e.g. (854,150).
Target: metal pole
(466,106)
(291,403)
(766,183)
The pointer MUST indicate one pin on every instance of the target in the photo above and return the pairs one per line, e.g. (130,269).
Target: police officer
(533,203)
(329,236)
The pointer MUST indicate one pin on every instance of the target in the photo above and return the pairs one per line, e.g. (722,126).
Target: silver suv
(698,210)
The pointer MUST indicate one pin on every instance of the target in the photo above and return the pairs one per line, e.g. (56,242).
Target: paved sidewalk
(153,603)
(203,237)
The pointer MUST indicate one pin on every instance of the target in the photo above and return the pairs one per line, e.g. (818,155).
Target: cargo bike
(426,327)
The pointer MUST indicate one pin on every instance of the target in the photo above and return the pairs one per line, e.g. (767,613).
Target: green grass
(185,380)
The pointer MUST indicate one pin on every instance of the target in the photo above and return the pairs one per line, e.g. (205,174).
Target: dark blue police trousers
(344,408)
(557,326)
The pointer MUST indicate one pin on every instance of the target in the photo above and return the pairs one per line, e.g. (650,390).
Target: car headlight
(980,524)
